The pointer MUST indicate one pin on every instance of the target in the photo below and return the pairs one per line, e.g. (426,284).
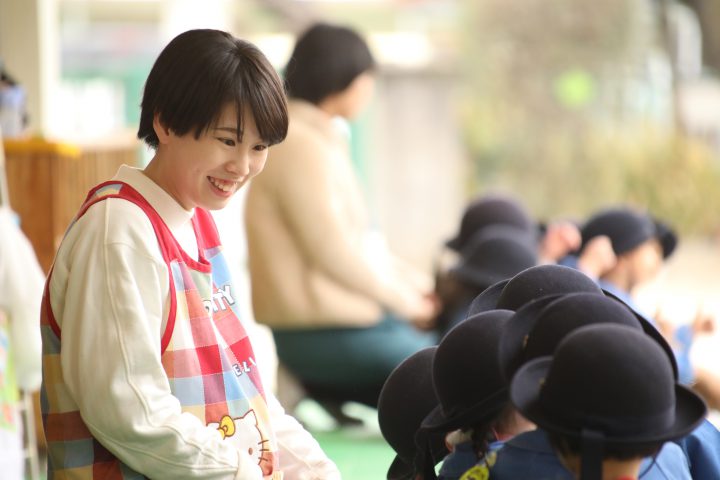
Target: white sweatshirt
(111,337)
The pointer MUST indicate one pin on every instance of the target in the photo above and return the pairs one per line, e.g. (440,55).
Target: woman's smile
(224,186)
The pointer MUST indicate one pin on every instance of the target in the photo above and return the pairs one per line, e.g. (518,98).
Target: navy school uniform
(702,449)
(462,459)
(529,455)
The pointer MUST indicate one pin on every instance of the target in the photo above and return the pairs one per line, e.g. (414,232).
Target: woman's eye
(260,148)
(227,141)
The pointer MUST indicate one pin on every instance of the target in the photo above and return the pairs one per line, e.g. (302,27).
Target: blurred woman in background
(344,310)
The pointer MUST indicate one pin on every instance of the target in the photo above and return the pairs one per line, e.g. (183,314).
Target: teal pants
(349,363)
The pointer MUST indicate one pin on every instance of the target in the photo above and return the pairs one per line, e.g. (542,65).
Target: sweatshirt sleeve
(307,194)
(301,457)
(109,292)
(21,287)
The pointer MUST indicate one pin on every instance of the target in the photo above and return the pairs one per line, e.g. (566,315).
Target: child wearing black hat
(471,443)
(641,243)
(405,399)
(535,331)
(553,241)
(472,393)
(701,447)
(490,210)
(483,212)
(496,253)
(603,417)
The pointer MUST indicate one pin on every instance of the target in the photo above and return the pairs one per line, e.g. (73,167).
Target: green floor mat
(358,456)
(360,452)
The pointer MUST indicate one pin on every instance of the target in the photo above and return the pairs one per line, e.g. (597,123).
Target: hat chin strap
(424,464)
(591,454)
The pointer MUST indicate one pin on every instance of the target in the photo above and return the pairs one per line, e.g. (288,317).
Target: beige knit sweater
(312,261)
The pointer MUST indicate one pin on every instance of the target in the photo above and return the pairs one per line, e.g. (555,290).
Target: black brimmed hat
(405,400)
(667,236)
(490,210)
(532,284)
(607,385)
(627,228)
(537,328)
(496,253)
(467,378)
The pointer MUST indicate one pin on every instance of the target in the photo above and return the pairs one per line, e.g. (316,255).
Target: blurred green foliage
(676,177)
(569,104)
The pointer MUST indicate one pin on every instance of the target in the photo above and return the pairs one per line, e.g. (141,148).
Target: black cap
(490,210)
(607,385)
(496,253)
(466,374)
(532,284)
(537,328)
(628,228)
(405,400)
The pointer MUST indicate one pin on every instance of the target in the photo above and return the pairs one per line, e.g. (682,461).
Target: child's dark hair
(566,445)
(198,73)
(484,433)
(325,60)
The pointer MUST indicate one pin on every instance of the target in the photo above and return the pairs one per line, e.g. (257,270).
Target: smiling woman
(207,169)
(147,357)
(211,107)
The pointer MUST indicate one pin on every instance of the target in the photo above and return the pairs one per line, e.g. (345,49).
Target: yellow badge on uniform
(481,471)
(478,472)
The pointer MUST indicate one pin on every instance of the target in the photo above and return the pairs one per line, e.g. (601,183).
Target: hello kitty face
(245,434)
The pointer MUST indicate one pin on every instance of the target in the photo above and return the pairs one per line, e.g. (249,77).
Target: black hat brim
(525,395)
(436,420)
(512,340)
(488,299)
(454,243)
(667,238)
(400,470)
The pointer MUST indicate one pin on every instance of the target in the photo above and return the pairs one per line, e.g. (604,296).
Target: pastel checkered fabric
(206,354)
(8,385)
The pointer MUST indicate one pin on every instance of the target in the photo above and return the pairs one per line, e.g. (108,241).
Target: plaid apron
(206,354)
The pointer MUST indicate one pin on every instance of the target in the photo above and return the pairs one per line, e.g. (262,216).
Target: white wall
(416,163)
(30,49)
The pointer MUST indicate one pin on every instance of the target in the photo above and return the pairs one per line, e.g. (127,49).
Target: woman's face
(207,171)
(351,101)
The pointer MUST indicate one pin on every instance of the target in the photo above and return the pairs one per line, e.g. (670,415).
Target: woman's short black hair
(198,73)
(325,60)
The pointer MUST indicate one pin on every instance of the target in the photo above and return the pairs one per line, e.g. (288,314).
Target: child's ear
(163,132)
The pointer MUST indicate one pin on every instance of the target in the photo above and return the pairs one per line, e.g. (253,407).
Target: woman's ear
(163,133)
